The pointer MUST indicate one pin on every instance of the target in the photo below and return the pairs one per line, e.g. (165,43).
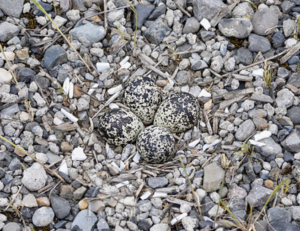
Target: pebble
(43,216)
(264,19)
(34,178)
(236,27)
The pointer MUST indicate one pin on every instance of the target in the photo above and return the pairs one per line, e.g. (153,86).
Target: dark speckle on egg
(178,113)
(118,126)
(156,144)
(143,97)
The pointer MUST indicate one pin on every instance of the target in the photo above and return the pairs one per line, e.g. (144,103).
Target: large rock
(158,11)
(258,195)
(12,7)
(285,98)
(279,214)
(11,226)
(263,20)
(26,74)
(213,176)
(85,220)
(245,130)
(258,43)
(60,206)
(35,177)
(54,56)
(292,142)
(207,8)
(157,32)
(43,217)
(8,31)
(282,226)
(271,147)
(235,27)
(88,34)
(143,12)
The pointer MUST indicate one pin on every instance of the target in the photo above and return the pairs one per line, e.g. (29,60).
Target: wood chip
(117,46)
(179,202)
(233,94)
(105,74)
(228,102)
(292,88)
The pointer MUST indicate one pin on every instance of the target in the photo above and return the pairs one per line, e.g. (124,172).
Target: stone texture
(54,56)
(245,130)
(43,216)
(292,142)
(12,7)
(235,27)
(34,178)
(85,220)
(213,176)
(157,32)
(143,11)
(258,43)
(258,195)
(264,19)
(8,31)
(206,8)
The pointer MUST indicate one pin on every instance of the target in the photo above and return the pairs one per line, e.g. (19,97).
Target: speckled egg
(156,144)
(143,97)
(118,126)
(178,113)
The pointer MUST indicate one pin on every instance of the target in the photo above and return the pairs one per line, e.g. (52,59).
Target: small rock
(258,43)
(157,182)
(143,11)
(11,226)
(34,178)
(279,214)
(206,8)
(236,27)
(192,25)
(54,56)
(85,220)
(29,201)
(189,223)
(264,19)
(258,195)
(157,32)
(160,227)
(245,130)
(282,226)
(213,176)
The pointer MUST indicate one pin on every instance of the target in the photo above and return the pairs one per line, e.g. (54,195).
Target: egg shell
(143,97)
(156,144)
(178,113)
(118,126)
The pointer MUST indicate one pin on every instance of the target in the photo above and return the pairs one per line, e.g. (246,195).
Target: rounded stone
(118,126)
(156,144)
(178,113)
(143,97)
(264,21)
(12,226)
(43,216)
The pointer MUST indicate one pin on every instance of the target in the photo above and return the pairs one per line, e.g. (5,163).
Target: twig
(41,92)
(156,70)
(175,73)
(56,38)
(46,187)
(210,131)
(154,66)
(53,189)
(262,61)
(292,51)
(110,100)
(105,14)
(12,201)
(183,52)
(183,10)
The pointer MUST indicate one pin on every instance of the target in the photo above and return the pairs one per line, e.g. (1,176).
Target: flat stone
(292,142)
(158,11)
(279,214)
(11,226)
(14,11)
(282,226)
(245,130)
(264,19)
(43,216)
(293,114)
(189,223)
(236,27)
(258,43)
(88,34)
(143,12)
(29,201)
(157,182)
(271,147)
(34,177)
(26,74)
(157,32)
(47,7)
(207,8)
(8,31)
(243,9)
(258,195)
(85,220)
(213,176)
(245,56)
(294,80)
(54,56)
(60,206)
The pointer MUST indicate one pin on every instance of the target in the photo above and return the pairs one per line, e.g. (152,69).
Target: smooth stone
(54,56)
(271,147)
(236,27)
(88,34)
(284,98)
(43,216)
(157,32)
(243,9)
(29,201)
(47,7)
(282,226)
(278,39)
(245,56)
(85,220)
(258,43)
(157,182)
(60,206)
(292,142)
(192,25)
(245,130)
(293,114)
(11,226)
(264,19)
(5,76)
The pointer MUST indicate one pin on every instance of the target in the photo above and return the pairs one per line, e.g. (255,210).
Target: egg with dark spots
(179,112)
(118,126)
(143,97)
(156,144)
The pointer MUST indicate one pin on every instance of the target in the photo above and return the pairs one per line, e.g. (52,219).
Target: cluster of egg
(156,144)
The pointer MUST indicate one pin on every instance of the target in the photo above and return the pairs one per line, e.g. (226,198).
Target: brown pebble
(208,105)
(161,83)
(83,204)
(66,147)
(76,92)
(19,152)
(269,183)
(43,201)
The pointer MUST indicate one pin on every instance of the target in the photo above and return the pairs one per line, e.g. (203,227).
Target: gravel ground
(71,170)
